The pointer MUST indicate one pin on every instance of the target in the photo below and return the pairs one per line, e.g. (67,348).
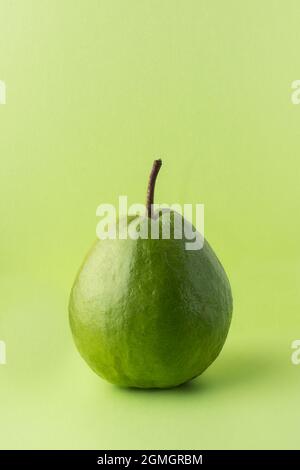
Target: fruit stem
(151,185)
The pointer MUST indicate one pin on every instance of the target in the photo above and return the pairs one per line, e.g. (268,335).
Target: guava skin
(148,313)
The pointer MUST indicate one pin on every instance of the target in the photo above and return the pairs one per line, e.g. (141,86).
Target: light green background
(95,90)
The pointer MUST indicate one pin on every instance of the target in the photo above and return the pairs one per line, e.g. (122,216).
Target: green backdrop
(95,90)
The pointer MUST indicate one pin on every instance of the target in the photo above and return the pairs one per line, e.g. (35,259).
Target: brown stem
(151,185)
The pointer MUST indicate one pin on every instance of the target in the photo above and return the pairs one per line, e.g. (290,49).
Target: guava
(149,313)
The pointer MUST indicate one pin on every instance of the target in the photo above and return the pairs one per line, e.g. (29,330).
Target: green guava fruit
(149,313)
